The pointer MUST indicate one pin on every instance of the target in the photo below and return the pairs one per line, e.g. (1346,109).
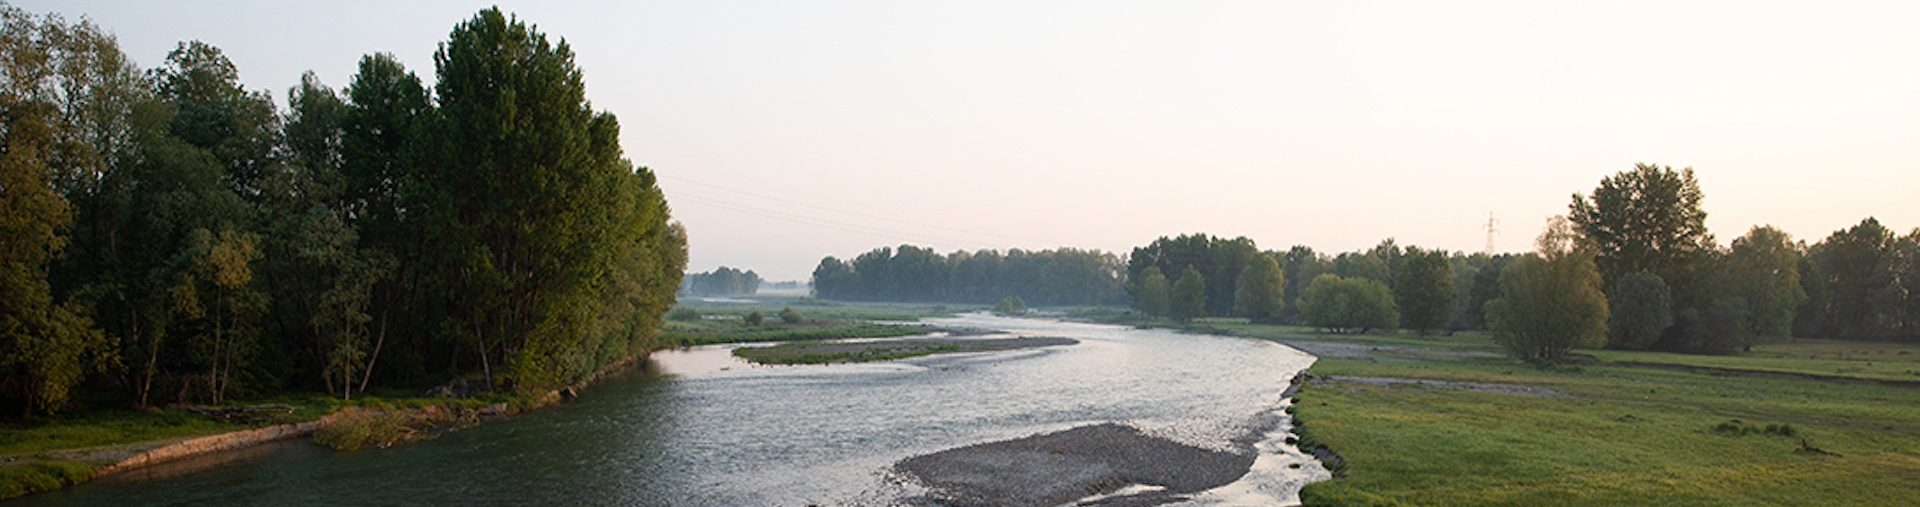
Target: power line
(1493,230)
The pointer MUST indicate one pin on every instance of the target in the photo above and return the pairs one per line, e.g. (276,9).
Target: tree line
(175,237)
(722,281)
(1060,277)
(1631,266)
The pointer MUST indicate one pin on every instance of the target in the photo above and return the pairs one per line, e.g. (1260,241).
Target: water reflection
(698,427)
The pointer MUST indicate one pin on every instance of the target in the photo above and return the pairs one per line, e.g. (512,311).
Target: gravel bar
(1058,468)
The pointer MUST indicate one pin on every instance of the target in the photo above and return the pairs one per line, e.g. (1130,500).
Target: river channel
(698,427)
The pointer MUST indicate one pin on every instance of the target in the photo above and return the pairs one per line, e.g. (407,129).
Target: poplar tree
(1189,296)
(1424,291)
(1257,295)
(1150,293)
(532,205)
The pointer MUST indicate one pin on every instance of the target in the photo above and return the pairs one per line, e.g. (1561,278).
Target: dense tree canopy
(1348,304)
(1219,260)
(722,281)
(175,230)
(1059,277)
(1188,299)
(1648,218)
(1424,292)
(1258,294)
(1641,311)
(1151,292)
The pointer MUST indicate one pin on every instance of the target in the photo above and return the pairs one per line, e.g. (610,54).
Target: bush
(790,316)
(684,314)
(362,429)
(1010,305)
(755,318)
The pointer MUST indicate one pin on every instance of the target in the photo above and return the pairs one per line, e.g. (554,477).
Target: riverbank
(1443,421)
(393,421)
(1449,420)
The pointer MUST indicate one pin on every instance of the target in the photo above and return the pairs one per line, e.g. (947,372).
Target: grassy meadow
(1616,428)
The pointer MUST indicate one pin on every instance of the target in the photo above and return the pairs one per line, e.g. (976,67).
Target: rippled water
(698,428)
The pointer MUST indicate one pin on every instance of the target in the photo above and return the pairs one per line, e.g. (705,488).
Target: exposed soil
(1485,387)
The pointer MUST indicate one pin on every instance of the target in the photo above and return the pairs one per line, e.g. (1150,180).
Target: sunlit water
(699,428)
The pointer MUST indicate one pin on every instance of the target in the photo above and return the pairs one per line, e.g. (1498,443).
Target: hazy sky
(785,131)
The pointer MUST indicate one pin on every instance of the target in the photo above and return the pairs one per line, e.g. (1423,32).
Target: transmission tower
(1493,230)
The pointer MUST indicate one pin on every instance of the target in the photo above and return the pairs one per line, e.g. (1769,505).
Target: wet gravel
(1058,468)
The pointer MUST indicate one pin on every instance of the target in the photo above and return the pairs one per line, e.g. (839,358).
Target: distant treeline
(1062,277)
(724,281)
(1660,280)
(175,237)
(1631,267)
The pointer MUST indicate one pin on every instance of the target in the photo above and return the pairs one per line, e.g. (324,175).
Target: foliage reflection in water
(714,431)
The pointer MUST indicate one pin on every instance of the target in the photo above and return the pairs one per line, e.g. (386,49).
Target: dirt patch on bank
(1485,387)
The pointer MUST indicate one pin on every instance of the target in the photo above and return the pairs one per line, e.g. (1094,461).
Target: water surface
(699,428)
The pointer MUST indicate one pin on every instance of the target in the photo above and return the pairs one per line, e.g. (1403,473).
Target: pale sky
(786,131)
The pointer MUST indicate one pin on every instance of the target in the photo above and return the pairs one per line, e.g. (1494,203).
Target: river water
(700,428)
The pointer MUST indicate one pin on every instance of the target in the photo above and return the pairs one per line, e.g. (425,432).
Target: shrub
(790,316)
(755,318)
(362,429)
(684,314)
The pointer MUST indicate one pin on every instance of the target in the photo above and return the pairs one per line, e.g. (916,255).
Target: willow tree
(1551,300)
(1766,274)
(531,201)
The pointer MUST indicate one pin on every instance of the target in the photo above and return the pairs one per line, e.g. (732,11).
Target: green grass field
(1625,428)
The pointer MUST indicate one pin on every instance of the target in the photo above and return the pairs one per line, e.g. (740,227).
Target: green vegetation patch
(712,331)
(36,475)
(885,350)
(1622,434)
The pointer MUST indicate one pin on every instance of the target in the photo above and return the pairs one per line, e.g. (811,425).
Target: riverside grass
(1618,434)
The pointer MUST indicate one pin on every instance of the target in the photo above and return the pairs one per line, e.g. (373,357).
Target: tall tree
(1151,293)
(1641,311)
(42,344)
(1302,266)
(1852,260)
(1551,300)
(1189,296)
(1899,286)
(530,200)
(1765,272)
(1258,294)
(1424,292)
(1648,218)
(1486,287)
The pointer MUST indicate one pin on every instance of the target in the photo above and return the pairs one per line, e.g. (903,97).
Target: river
(699,428)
